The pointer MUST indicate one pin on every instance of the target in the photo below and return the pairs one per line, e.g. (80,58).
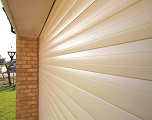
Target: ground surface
(7,103)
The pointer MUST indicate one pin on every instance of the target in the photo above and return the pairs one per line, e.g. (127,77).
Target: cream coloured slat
(75,11)
(137,85)
(49,21)
(100,8)
(66,19)
(124,37)
(90,103)
(128,59)
(131,47)
(131,11)
(126,71)
(42,110)
(67,115)
(51,109)
(56,110)
(95,61)
(76,110)
(129,24)
(136,71)
(54,14)
(63,11)
(48,115)
(75,7)
(123,98)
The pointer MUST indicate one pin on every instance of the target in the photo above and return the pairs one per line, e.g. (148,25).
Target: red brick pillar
(26,79)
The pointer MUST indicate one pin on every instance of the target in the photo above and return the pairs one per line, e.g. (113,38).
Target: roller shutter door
(95,61)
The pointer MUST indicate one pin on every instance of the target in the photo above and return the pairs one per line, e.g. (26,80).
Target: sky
(7,38)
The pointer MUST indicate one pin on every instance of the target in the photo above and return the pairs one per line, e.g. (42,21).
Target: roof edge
(6,7)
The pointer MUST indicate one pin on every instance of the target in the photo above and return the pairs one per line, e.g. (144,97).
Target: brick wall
(26,79)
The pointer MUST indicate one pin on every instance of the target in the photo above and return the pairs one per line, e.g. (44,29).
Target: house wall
(95,61)
(26,79)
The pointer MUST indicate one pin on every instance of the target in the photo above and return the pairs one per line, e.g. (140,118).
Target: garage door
(95,61)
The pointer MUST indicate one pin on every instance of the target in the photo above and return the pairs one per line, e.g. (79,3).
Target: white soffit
(29,16)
